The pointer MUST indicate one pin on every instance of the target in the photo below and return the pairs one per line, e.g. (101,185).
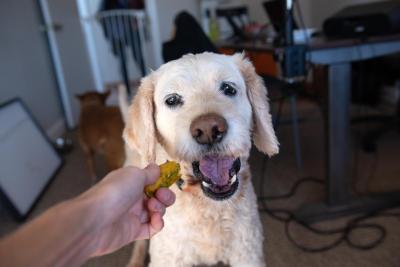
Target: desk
(338,55)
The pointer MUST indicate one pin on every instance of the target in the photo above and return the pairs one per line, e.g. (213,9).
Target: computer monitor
(275,10)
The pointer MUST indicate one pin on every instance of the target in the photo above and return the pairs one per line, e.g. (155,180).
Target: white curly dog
(203,111)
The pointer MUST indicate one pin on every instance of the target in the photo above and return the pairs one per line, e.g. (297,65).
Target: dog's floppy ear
(139,132)
(263,131)
(104,96)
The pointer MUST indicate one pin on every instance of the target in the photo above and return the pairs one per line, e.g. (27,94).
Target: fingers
(128,178)
(144,217)
(154,226)
(155,206)
(165,196)
(152,172)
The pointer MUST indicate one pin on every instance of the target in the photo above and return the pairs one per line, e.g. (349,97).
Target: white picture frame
(28,160)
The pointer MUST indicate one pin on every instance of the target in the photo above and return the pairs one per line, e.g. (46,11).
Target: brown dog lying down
(203,111)
(100,131)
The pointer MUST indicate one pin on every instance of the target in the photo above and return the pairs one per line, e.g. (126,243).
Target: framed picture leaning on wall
(28,160)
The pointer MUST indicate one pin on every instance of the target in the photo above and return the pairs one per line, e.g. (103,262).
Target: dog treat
(169,174)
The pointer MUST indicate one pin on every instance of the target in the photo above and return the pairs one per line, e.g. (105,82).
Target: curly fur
(199,230)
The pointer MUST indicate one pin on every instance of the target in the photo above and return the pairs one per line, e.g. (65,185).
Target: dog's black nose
(208,129)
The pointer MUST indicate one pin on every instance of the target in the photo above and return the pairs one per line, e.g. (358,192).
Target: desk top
(324,51)
(316,43)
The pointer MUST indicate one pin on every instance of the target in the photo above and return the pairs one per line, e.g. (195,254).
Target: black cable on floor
(345,233)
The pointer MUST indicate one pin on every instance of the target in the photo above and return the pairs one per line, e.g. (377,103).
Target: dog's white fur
(199,230)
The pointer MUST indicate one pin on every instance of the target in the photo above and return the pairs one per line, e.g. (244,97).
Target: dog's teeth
(233,179)
(205,184)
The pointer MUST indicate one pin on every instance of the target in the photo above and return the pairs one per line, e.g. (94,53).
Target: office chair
(186,25)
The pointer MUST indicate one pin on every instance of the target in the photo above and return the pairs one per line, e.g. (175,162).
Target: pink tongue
(217,169)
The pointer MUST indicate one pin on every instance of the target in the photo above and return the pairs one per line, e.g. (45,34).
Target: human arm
(108,216)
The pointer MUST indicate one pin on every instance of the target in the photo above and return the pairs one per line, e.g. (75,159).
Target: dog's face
(203,109)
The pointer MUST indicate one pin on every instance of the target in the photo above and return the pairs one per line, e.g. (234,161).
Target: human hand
(123,213)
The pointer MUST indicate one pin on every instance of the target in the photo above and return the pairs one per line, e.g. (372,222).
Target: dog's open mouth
(218,175)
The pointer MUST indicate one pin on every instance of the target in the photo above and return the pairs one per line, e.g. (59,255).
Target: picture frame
(28,160)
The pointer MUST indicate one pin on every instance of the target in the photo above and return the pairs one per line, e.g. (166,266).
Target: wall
(72,51)
(25,66)
(256,10)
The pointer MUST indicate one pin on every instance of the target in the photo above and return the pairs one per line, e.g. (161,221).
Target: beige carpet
(280,175)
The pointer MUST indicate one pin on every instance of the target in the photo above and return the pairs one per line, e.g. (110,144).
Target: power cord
(345,233)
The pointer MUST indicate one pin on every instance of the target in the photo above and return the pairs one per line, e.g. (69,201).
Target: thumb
(152,172)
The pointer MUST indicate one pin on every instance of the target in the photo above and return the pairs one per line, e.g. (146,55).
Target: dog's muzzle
(218,175)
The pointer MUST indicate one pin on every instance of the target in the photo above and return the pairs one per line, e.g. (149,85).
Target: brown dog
(100,131)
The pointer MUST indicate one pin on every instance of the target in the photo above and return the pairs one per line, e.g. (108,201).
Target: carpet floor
(376,172)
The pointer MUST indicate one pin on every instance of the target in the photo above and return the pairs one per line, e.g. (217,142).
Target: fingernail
(158,206)
(169,196)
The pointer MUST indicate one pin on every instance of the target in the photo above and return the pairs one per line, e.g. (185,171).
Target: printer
(364,20)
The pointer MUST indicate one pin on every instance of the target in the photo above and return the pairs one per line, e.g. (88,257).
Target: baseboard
(57,129)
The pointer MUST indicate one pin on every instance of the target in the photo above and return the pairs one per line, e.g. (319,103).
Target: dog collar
(180,183)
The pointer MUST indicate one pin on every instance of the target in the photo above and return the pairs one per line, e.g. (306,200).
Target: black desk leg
(337,134)
(340,201)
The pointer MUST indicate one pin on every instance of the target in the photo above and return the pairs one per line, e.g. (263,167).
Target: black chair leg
(277,119)
(295,125)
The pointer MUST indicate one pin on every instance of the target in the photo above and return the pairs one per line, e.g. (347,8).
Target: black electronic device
(364,20)
(275,10)
(294,62)
(292,56)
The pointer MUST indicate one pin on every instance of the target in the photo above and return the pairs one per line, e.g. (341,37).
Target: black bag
(189,38)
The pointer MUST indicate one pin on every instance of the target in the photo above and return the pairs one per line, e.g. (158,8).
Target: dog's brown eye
(173,100)
(228,89)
